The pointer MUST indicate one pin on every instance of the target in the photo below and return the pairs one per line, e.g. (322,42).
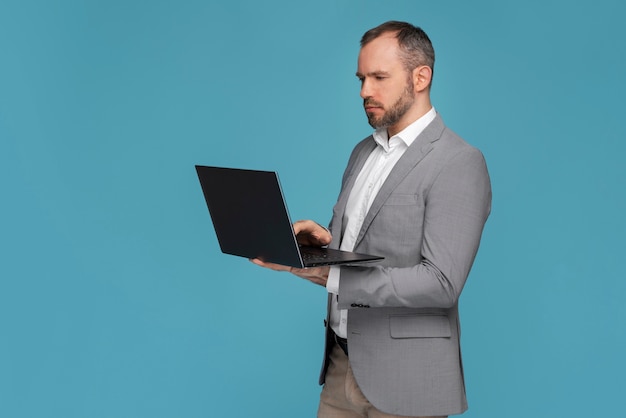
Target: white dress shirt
(369,181)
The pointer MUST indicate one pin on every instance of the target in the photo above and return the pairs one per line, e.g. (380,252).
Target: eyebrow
(373,74)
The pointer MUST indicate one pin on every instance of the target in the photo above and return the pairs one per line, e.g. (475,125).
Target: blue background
(114,298)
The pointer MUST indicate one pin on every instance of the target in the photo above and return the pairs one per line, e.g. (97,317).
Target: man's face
(386,87)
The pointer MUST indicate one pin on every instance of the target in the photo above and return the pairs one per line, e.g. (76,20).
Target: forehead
(381,54)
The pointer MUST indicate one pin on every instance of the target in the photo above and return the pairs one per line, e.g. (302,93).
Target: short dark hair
(415,46)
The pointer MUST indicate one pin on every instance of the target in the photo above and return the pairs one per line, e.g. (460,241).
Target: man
(417,194)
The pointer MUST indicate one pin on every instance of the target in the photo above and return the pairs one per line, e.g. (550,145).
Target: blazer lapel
(353,171)
(422,145)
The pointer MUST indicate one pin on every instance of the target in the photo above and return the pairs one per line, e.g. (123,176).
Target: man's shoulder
(366,144)
(450,140)
(368,140)
(448,147)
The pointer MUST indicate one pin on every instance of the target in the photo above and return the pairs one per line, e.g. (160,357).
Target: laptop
(251,220)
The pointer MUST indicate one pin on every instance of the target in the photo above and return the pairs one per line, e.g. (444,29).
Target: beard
(395,112)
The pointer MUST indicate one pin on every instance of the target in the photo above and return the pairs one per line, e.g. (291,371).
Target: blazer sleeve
(457,204)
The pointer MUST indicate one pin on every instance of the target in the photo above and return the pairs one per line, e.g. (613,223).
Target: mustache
(371,102)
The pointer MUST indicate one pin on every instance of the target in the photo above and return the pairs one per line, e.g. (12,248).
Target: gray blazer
(403,324)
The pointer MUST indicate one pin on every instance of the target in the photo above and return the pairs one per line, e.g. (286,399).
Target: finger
(277,267)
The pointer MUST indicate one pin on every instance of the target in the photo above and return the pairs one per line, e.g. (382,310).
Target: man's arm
(457,205)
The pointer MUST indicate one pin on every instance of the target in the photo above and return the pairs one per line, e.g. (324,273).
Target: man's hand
(317,275)
(311,233)
(307,233)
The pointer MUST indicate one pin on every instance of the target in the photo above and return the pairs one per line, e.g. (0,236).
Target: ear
(421,78)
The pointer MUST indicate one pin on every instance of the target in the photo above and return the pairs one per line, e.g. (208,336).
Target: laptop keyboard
(313,254)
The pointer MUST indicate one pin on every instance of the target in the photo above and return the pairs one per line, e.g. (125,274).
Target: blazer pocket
(419,326)
(397,199)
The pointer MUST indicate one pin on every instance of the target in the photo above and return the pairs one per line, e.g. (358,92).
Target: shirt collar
(408,134)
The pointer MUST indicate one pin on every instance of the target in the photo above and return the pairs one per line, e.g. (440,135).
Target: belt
(342,343)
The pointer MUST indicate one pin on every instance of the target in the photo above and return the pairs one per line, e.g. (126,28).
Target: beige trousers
(341,396)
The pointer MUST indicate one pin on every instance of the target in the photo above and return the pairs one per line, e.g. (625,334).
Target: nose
(365,89)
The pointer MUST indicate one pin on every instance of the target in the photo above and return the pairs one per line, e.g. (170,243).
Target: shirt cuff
(332,284)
